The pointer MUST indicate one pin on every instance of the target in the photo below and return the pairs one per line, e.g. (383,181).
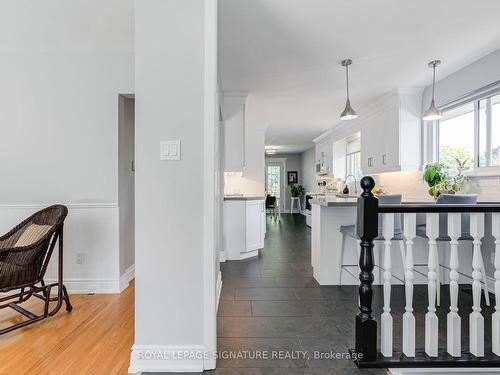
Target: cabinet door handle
(384,159)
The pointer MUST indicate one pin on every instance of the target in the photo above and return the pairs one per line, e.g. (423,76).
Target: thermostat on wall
(170,150)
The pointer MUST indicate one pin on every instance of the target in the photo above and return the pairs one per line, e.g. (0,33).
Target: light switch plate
(170,150)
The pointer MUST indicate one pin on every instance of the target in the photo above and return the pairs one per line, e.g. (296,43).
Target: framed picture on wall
(293,177)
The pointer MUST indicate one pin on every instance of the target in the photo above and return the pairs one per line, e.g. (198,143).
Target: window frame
(475,97)
(353,154)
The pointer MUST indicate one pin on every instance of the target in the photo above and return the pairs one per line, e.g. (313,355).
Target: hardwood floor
(95,338)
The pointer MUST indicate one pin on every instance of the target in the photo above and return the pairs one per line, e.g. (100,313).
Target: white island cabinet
(244,226)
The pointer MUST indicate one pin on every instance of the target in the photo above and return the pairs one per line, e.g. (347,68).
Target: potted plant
(441,180)
(297,190)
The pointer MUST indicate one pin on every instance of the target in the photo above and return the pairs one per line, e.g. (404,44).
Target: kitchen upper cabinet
(324,154)
(233,115)
(391,134)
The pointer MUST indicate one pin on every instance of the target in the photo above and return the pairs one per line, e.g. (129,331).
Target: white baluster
(386,320)
(453,319)
(495,318)
(408,317)
(476,320)
(431,319)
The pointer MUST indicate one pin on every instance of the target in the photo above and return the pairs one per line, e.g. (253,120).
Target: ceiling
(287,54)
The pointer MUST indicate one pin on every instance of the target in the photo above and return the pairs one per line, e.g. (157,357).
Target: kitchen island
(328,215)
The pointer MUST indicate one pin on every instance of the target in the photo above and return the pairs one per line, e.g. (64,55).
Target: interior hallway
(272,303)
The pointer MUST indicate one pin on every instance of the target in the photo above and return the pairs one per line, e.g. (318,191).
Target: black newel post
(366,327)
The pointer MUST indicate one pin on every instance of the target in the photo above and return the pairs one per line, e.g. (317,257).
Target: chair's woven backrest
(24,265)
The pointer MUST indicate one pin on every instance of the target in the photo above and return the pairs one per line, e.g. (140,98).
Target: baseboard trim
(90,286)
(222,256)
(219,288)
(167,358)
(127,277)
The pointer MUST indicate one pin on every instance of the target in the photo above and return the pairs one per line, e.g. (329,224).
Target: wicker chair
(24,256)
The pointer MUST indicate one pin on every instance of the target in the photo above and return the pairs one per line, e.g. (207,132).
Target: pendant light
(433,113)
(348,113)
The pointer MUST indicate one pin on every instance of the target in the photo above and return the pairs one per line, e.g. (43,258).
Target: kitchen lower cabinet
(244,227)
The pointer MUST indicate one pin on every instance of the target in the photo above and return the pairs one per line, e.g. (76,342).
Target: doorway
(126,187)
(275,180)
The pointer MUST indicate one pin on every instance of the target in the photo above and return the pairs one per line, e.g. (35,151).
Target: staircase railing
(458,351)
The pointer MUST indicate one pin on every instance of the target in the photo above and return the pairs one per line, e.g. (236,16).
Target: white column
(476,320)
(431,319)
(495,318)
(408,317)
(453,319)
(386,319)
(175,42)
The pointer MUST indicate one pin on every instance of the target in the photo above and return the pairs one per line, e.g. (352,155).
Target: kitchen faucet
(355,183)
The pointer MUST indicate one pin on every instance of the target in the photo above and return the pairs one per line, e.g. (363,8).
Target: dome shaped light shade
(348,113)
(433,113)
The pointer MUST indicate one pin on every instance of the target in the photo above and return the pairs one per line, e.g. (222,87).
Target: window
(469,133)
(456,136)
(489,131)
(273,183)
(353,158)
(354,165)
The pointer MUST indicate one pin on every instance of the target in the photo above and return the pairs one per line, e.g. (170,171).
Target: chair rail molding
(91,233)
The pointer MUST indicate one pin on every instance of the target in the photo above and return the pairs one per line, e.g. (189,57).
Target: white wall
(61,70)
(126,186)
(308,167)
(175,231)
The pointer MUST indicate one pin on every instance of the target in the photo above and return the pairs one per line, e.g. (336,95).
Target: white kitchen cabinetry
(324,154)
(244,227)
(391,133)
(254,228)
(234,131)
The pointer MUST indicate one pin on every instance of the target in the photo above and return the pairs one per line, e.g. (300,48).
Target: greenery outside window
(470,132)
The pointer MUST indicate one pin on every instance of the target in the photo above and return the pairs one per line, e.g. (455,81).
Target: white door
(275,181)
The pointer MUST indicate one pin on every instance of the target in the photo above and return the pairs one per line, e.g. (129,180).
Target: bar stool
(292,204)
(443,236)
(350,231)
(271,205)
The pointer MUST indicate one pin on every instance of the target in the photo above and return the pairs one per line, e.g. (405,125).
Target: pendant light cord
(347,79)
(433,80)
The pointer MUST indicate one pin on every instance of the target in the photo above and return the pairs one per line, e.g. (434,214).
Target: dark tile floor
(272,303)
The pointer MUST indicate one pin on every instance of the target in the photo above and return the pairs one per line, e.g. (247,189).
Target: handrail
(437,208)
(366,337)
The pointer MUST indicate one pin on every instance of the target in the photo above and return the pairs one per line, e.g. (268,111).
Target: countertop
(242,198)
(332,201)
